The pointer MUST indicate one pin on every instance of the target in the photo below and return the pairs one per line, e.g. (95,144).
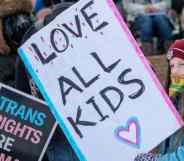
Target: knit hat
(176,50)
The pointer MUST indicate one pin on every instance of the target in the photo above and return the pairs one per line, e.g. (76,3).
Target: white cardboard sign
(98,84)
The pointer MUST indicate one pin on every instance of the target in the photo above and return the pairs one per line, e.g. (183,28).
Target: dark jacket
(14,27)
(9,8)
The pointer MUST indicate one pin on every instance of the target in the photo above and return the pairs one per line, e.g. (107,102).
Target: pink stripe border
(144,61)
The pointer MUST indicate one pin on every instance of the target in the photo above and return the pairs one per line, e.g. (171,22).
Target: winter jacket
(11,8)
(14,28)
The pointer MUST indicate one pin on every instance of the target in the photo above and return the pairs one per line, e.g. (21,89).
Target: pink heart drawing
(130,134)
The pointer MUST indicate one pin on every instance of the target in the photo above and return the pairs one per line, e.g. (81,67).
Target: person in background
(172,149)
(15,18)
(150,17)
(41,8)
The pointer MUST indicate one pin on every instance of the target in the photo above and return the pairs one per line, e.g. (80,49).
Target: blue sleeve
(38,6)
(178,155)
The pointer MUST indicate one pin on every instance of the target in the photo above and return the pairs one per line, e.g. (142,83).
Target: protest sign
(26,126)
(98,84)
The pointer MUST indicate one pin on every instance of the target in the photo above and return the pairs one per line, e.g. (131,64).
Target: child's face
(177,66)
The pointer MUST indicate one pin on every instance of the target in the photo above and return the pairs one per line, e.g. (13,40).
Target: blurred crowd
(154,23)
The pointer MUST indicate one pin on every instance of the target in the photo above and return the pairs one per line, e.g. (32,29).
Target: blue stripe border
(71,140)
